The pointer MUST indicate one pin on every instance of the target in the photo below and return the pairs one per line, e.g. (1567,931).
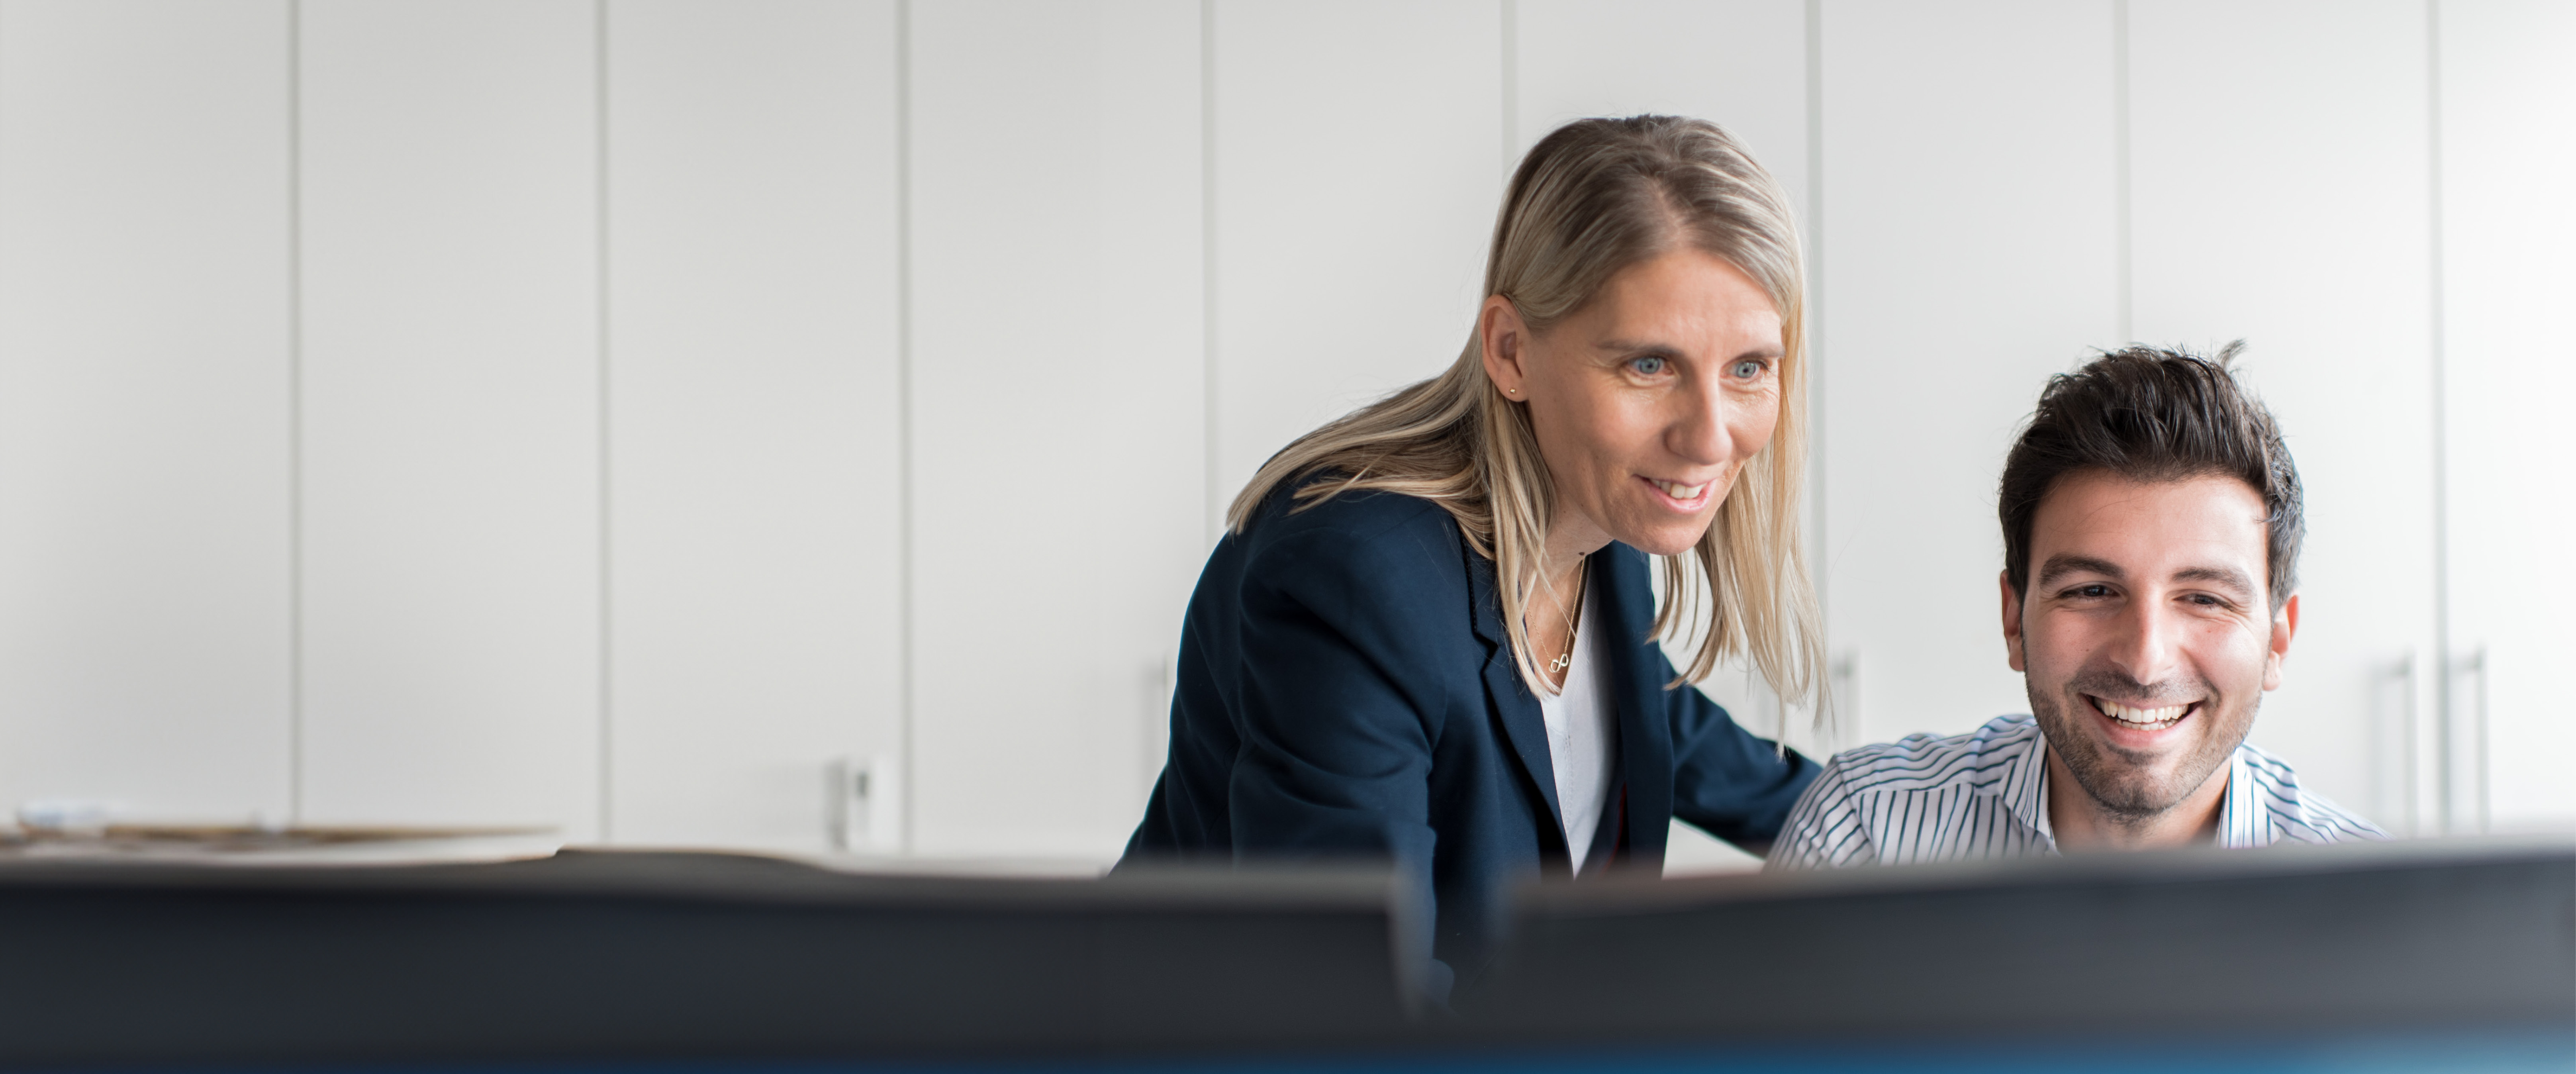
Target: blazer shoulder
(1402,555)
(1360,513)
(1363,525)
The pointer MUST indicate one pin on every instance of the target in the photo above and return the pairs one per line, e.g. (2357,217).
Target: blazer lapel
(1523,724)
(1637,683)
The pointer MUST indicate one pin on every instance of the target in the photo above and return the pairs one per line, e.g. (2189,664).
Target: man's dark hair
(2148,414)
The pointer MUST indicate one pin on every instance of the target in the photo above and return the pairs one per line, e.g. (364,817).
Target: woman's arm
(1339,699)
(1341,695)
(1726,781)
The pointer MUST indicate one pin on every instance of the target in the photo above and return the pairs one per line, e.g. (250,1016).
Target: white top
(1984,794)
(1582,738)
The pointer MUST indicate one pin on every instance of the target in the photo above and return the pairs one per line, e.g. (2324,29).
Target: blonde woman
(1428,634)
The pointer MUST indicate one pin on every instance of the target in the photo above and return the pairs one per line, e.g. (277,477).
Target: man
(2151,523)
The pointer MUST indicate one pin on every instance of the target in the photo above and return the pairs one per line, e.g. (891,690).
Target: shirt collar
(2235,808)
(2025,785)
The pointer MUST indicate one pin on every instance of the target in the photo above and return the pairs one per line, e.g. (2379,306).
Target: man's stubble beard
(2118,783)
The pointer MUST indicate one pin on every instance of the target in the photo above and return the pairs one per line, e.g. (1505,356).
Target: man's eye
(1748,369)
(1648,365)
(2087,591)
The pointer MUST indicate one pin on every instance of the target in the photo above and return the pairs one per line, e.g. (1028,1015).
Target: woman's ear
(1500,331)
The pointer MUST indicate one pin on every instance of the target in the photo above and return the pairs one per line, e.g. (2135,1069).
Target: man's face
(2146,640)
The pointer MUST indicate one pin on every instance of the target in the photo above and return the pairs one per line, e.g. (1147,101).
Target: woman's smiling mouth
(1681,496)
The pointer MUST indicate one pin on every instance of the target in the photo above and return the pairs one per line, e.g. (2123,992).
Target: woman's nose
(1701,430)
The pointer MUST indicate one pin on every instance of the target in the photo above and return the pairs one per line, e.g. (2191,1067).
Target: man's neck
(2079,824)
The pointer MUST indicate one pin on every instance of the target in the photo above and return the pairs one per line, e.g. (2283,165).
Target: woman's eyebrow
(1630,346)
(1667,350)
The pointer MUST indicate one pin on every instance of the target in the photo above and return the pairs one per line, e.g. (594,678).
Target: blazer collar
(1524,726)
(1616,575)
(1637,672)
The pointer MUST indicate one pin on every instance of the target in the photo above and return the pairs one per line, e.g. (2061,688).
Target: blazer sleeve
(1338,702)
(1727,782)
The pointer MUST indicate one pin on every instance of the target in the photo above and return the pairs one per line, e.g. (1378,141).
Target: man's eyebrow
(2223,577)
(2059,566)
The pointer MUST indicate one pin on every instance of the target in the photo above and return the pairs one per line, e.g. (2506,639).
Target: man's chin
(2130,780)
(2135,802)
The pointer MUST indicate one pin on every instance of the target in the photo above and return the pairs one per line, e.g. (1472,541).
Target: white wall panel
(1056,370)
(144,385)
(451,412)
(1970,251)
(2281,196)
(1357,175)
(753,414)
(2508,122)
(1741,64)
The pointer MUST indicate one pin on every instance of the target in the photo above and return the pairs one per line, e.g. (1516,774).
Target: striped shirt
(1984,794)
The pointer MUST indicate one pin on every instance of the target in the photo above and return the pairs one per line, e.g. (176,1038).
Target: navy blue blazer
(1346,689)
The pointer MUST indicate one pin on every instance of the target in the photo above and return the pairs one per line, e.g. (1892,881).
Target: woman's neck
(1550,614)
(1570,537)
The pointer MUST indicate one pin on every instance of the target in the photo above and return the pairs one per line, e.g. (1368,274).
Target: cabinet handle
(2411,739)
(1842,679)
(2476,664)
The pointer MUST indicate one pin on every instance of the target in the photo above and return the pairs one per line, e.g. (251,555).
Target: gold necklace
(1565,659)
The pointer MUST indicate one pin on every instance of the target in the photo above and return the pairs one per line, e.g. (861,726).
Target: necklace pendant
(1560,663)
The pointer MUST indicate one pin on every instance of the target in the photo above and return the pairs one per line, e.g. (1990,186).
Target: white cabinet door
(1057,421)
(451,412)
(1971,249)
(145,380)
(2508,139)
(2281,197)
(754,404)
(1356,181)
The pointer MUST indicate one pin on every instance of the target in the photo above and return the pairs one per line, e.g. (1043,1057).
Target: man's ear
(2284,624)
(1500,330)
(2012,621)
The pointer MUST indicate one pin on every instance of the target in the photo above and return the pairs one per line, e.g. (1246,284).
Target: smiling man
(2151,524)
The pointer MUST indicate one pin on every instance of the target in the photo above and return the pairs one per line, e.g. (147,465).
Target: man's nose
(2145,650)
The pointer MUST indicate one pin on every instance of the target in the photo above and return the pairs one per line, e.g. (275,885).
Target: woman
(1428,634)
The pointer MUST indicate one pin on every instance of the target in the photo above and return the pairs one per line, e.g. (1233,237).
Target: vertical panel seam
(607,786)
(2438,356)
(1210,433)
(1827,716)
(903,402)
(294,412)
(2123,236)
(1511,30)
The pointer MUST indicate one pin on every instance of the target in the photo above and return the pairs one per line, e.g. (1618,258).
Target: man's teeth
(1681,492)
(2142,717)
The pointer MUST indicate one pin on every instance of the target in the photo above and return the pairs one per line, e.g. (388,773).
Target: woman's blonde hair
(1592,198)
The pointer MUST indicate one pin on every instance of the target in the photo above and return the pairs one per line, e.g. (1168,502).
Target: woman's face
(1648,401)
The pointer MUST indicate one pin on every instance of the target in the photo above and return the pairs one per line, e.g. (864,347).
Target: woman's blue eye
(1648,365)
(1748,369)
